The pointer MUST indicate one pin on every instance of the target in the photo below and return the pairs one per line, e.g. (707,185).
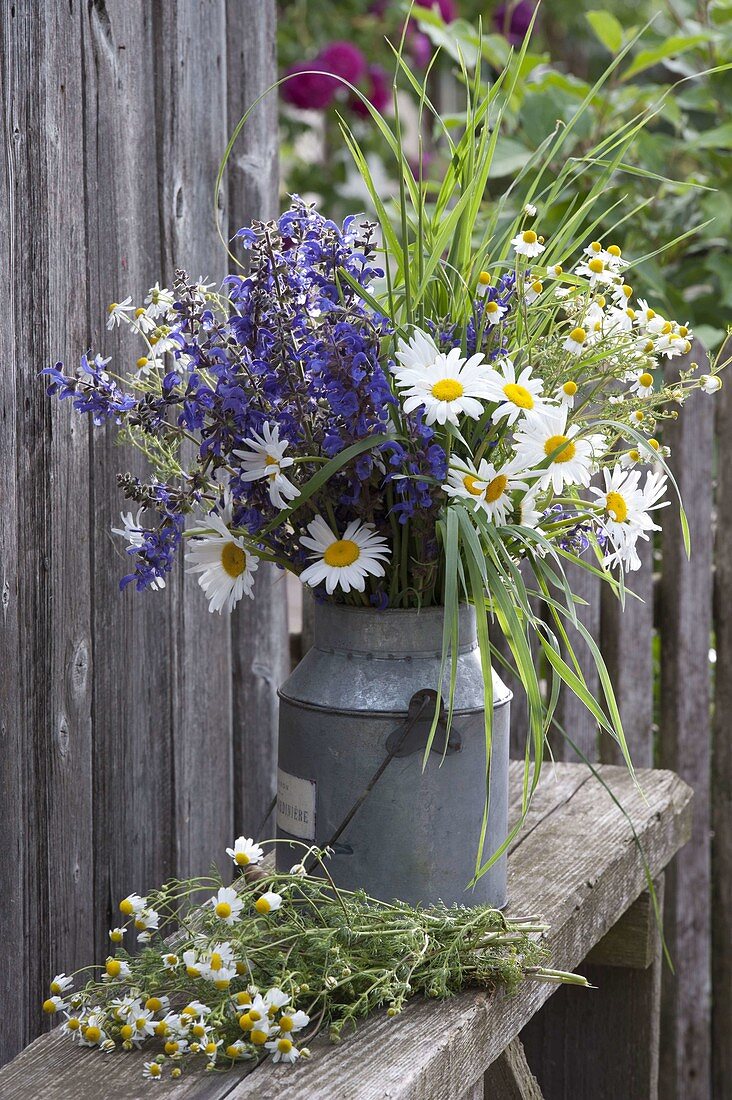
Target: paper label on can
(296,805)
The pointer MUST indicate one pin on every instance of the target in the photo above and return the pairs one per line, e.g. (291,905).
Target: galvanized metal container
(343,710)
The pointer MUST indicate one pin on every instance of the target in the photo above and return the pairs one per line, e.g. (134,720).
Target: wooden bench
(576,864)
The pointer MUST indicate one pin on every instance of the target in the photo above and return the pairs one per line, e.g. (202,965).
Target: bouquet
(438,406)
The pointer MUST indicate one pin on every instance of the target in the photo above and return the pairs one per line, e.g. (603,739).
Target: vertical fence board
(685,627)
(572,715)
(116,115)
(721,902)
(192,134)
(259,629)
(626,636)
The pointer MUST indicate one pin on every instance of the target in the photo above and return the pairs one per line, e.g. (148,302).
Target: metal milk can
(354,719)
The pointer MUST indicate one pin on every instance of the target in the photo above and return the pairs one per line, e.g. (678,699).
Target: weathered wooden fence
(136,730)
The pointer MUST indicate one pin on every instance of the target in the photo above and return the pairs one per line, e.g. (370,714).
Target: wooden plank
(721,787)
(685,629)
(607,1050)
(626,637)
(580,873)
(475,1092)
(191,55)
(260,645)
(45,784)
(633,941)
(510,1076)
(572,715)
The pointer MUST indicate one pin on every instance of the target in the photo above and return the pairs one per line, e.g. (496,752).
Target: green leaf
(720,137)
(670,47)
(607,29)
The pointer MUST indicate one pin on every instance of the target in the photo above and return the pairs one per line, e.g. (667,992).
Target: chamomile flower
(530,210)
(445,385)
(268,902)
(343,562)
(293,1021)
(711,383)
(515,395)
(282,1049)
(227,905)
(92,1031)
(486,487)
(576,342)
(159,300)
(116,935)
(53,1004)
(191,962)
(493,312)
(484,283)
(72,1026)
(217,962)
(153,1071)
(547,441)
(265,458)
(567,393)
(527,244)
(626,512)
(60,984)
(528,515)
(147,920)
(170,961)
(532,290)
(275,999)
(225,564)
(245,852)
(118,313)
(115,969)
(641,384)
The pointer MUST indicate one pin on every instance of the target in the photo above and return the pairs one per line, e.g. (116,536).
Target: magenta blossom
(378,92)
(312,84)
(514,20)
(446,8)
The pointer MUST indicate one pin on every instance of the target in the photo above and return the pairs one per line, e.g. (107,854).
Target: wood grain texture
(572,715)
(626,641)
(685,745)
(434,1048)
(116,710)
(721,787)
(510,1076)
(610,1048)
(633,940)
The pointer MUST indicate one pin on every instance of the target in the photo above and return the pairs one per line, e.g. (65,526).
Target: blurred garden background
(572,44)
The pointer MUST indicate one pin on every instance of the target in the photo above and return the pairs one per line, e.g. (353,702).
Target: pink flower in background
(420,47)
(446,8)
(378,92)
(311,87)
(514,20)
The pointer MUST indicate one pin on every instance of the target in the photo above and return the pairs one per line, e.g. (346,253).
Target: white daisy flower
(143,321)
(514,395)
(282,1049)
(494,312)
(218,961)
(238,1049)
(346,561)
(147,920)
(92,1032)
(192,963)
(627,510)
(54,1004)
(72,1026)
(567,393)
(115,969)
(275,999)
(530,210)
(245,851)
(195,1009)
(711,383)
(142,1023)
(489,489)
(268,902)
(159,300)
(597,272)
(621,293)
(226,566)
(532,290)
(227,905)
(118,312)
(116,935)
(528,514)
(170,961)
(293,1021)
(484,282)
(266,459)
(548,439)
(527,244)
(153,1071)
(642,384)
(648,320)
(445,385)
(576,341)
(60,984)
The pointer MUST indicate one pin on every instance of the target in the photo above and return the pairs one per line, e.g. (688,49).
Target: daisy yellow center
(216,961)
(616,507)
(198,1030)
(496,488)
(614,250)
(284,1046)
(570,388)
(646,379)
(492,307)
(154,1069)
(448,389)
(113,967)
(596,265)
(471,484)
(49,1006)
(261,904)
(529,236)
(223,909)
(578,335)
(74,1023)
(564,447)
(341,552)
(286,1023)
(153,1004)
(269,461)
(519,395)
(233,559)
(126,907)
(241,858)
(233,1051)
(92,1034)
(484,278)
(259,1038)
